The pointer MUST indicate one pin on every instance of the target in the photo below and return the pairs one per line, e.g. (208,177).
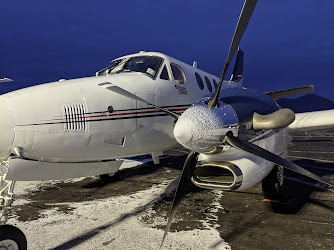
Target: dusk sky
(288,43)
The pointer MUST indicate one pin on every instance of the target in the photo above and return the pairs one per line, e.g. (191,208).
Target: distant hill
(306,103)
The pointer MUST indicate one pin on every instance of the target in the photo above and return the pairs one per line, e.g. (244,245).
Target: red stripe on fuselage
(109,115)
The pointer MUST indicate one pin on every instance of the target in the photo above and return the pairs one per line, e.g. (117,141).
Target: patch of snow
(211,219)
(111,223)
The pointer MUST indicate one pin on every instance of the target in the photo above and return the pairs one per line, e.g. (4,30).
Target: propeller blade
(123,92)
(244,18)
(253,149)
(187,172)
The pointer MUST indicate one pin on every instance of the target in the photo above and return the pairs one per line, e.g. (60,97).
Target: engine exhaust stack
(217,175)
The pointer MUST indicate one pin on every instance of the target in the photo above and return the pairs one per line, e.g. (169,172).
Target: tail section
(237,79)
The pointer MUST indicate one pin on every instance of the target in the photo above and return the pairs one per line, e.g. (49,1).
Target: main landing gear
(272,187)
(11,238)
(276,193)
(108,178)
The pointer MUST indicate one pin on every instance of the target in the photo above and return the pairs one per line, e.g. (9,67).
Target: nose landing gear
(11,238)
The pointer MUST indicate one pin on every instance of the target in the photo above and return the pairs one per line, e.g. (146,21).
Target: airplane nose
(6,129)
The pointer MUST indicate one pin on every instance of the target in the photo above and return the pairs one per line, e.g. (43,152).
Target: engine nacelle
(220,175)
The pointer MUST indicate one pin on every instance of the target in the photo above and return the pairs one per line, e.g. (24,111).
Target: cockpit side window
(178,73)
(164,74)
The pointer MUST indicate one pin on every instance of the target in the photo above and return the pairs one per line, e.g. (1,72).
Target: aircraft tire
(272,185)
(12,238)
(283,196)
(107,178)
(274,194)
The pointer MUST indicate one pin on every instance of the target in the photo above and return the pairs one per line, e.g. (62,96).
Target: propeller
(191,161)
(244,18)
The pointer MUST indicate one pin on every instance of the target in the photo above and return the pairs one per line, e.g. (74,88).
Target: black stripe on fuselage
(97,120)
(122,110)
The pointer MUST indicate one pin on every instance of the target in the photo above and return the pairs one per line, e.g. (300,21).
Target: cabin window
(164,74)
(214,83)
(199,81)
(208,84)
(178,73)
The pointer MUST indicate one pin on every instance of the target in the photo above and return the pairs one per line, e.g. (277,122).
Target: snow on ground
(111,223)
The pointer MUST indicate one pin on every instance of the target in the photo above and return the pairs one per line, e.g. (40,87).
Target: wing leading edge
(312,121)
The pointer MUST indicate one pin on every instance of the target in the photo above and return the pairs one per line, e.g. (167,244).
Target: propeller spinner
(201,130)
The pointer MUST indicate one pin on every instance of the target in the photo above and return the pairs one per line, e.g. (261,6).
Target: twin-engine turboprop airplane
(143,104)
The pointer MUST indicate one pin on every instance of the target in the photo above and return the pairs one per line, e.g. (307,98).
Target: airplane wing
(308,121)
(312,121)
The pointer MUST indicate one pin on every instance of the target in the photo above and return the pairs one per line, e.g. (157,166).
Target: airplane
(6,79)
(146,103)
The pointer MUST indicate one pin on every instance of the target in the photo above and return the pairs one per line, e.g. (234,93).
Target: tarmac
(242,219)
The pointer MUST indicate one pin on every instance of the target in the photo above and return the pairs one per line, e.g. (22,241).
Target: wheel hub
(8,245)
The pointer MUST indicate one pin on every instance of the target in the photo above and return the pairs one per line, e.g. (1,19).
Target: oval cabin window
(208,84)
(214,83)
(199,81)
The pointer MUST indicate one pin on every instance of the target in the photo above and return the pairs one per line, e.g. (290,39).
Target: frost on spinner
(201,130)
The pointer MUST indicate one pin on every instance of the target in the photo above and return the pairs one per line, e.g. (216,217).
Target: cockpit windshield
(148,65)
(108,69)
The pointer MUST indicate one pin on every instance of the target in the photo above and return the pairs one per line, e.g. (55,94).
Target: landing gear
(108,178)
(272,188)
(276,193)
(12,238)
(272,185)
(6,198)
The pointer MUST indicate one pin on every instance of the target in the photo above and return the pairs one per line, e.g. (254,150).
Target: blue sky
(288,43)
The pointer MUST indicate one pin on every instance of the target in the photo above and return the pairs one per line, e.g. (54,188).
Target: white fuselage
(68,121)
(77,121)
